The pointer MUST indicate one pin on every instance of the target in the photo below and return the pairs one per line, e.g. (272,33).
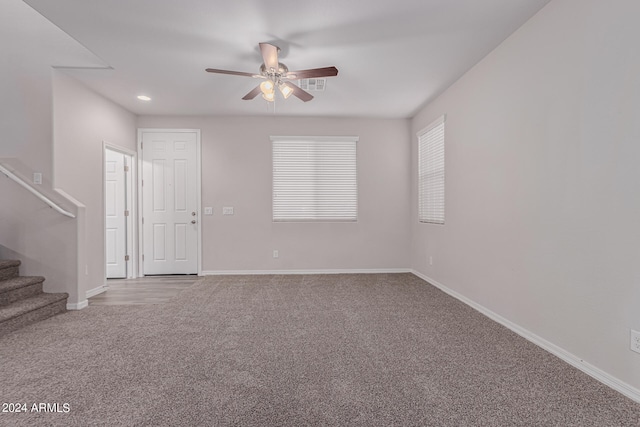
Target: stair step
(30,310)
(17,288)
(8,268)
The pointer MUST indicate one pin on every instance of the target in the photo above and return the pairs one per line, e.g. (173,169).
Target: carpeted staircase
(22,301)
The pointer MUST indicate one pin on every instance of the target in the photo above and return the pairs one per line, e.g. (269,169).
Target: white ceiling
(393,56)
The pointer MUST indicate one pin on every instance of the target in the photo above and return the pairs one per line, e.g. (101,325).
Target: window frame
(319,215)
(432,172)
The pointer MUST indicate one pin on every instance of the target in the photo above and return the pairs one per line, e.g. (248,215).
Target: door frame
(131,198)
(198,195)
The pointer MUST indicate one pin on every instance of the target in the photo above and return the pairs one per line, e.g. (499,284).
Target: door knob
(193,221)
(193,214)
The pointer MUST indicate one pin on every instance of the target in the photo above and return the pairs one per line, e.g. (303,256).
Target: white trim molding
(319,138)
(79,306)
(573,360)
(328,271)
(96,291)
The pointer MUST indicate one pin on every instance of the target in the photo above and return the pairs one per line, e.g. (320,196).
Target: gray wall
(236,171)
(83,120)
(542,201)
(45,241)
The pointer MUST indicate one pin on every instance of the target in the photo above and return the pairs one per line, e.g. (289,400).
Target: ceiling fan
(277,75)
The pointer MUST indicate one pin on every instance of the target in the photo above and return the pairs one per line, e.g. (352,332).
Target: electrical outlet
(635,341)
(275,253)
(430,260)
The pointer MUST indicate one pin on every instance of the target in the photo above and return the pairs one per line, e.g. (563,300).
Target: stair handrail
(35,192)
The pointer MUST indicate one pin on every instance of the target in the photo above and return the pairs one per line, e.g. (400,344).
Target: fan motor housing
(282,70)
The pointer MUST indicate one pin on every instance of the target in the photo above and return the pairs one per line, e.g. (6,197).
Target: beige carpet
(333,350)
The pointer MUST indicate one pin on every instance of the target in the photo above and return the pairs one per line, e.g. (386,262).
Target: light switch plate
(37,178)
(227,210)
(208,210)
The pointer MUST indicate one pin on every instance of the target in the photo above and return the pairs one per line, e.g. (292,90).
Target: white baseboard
(605,378)
(96,291)
(339,271)
(78,306)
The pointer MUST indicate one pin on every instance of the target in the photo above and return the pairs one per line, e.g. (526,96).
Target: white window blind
(314,179)
(431,173)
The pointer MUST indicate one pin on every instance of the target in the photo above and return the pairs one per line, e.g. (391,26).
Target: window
(431,173)
(314,179)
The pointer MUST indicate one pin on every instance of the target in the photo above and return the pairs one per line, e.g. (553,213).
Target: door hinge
(142,182)
(126,213)
(126,257)
(126,168)
(142,220)
(143,257)
(141,145)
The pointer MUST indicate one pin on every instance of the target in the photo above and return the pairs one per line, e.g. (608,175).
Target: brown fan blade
(303,95)
(313,73)
(269,55)
(233,73)
(252,94)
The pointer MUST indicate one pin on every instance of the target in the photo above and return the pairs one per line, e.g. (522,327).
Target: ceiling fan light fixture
(267,87)
(285,90)
(269,96)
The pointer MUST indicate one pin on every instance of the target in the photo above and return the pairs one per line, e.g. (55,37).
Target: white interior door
(115,219)
(170,202)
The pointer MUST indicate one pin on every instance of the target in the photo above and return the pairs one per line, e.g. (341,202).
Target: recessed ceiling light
(144,98)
